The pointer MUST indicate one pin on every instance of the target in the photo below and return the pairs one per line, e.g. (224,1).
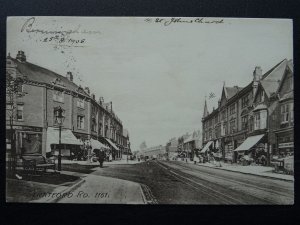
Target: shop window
(80,103)
(20,115)
(80,122)
(30,142)
(285,113)
(58,96)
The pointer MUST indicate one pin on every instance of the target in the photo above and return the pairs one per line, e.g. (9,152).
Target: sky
(156,74)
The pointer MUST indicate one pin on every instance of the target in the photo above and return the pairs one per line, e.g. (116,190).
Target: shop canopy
(206,147)
(67,137)
(249,143)
(97,144)
(112,144)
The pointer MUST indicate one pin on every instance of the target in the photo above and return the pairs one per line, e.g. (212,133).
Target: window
(80,122)
(210,134)
(261,97)
(94,127)
(245,101)
(232,109)
(58,96)
(244,122)
(223,115)
(257,121)
(251,124)
(210,122)
(80,103)
(232,126)
(224,129)
(20,112)
(285,113)
(292,112)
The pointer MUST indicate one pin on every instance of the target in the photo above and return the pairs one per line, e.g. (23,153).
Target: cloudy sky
(157,76)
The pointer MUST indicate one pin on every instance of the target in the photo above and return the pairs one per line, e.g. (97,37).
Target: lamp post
(59,119)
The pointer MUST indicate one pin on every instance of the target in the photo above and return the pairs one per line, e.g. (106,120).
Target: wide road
(175,182)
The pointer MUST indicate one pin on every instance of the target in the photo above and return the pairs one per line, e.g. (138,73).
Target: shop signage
(286,145)
(26,128)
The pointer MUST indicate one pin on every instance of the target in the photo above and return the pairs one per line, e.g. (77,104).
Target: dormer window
(58,96)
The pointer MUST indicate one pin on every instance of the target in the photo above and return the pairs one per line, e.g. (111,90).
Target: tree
(14,90)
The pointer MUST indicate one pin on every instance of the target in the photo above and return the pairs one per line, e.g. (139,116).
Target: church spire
(205,111)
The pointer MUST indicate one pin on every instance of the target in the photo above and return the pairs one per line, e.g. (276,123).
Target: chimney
(257,74)
(93,96)
(21,56)
(101,100)
(70,76)
(87,90)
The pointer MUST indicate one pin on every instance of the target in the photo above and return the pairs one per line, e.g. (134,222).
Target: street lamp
(59,119)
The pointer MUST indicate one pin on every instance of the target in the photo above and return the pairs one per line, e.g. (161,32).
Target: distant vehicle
(146,158)
(154,157)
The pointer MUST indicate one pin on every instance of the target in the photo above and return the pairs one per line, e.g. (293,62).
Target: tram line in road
(236,182)
(206,178)
(202,188)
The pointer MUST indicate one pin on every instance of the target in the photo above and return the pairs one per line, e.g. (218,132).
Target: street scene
(119,111)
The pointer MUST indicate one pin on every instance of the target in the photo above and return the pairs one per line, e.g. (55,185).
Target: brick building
(244,121)
(34,119)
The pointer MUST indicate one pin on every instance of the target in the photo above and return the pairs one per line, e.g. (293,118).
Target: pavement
(98,189)
(92,188)
(262,171)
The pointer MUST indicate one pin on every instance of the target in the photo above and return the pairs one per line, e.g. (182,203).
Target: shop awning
(206,147)
(112,144)
(67,137)
(97,144)
(249,143)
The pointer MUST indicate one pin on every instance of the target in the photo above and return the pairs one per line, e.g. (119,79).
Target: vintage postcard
(149,110)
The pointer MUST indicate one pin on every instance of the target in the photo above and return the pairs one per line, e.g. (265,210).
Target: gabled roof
(43,75)
(269,86)
(271,80)
(231,91)
(276,72)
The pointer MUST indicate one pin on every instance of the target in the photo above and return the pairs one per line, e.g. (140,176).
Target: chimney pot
(69,76)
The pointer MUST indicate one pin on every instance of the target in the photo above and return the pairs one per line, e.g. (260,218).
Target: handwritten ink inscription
(173,20)
(58,37)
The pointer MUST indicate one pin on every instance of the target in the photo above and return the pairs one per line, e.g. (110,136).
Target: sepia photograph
(149,110)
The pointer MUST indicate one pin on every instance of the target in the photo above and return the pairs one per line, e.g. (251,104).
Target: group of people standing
(102,156)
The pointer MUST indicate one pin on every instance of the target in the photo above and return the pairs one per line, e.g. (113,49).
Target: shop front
(285,143)
(254,148)
(116,152)
(70,145)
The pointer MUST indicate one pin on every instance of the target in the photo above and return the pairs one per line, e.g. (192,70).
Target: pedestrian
(110,157)
(101,156)
(196,159)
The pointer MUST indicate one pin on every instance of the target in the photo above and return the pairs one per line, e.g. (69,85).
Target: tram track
(203,183)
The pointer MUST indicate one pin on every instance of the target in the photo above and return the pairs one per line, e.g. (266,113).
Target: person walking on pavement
(101,156)
(110,157)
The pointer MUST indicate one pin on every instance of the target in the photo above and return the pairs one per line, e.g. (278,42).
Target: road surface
(175,182)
